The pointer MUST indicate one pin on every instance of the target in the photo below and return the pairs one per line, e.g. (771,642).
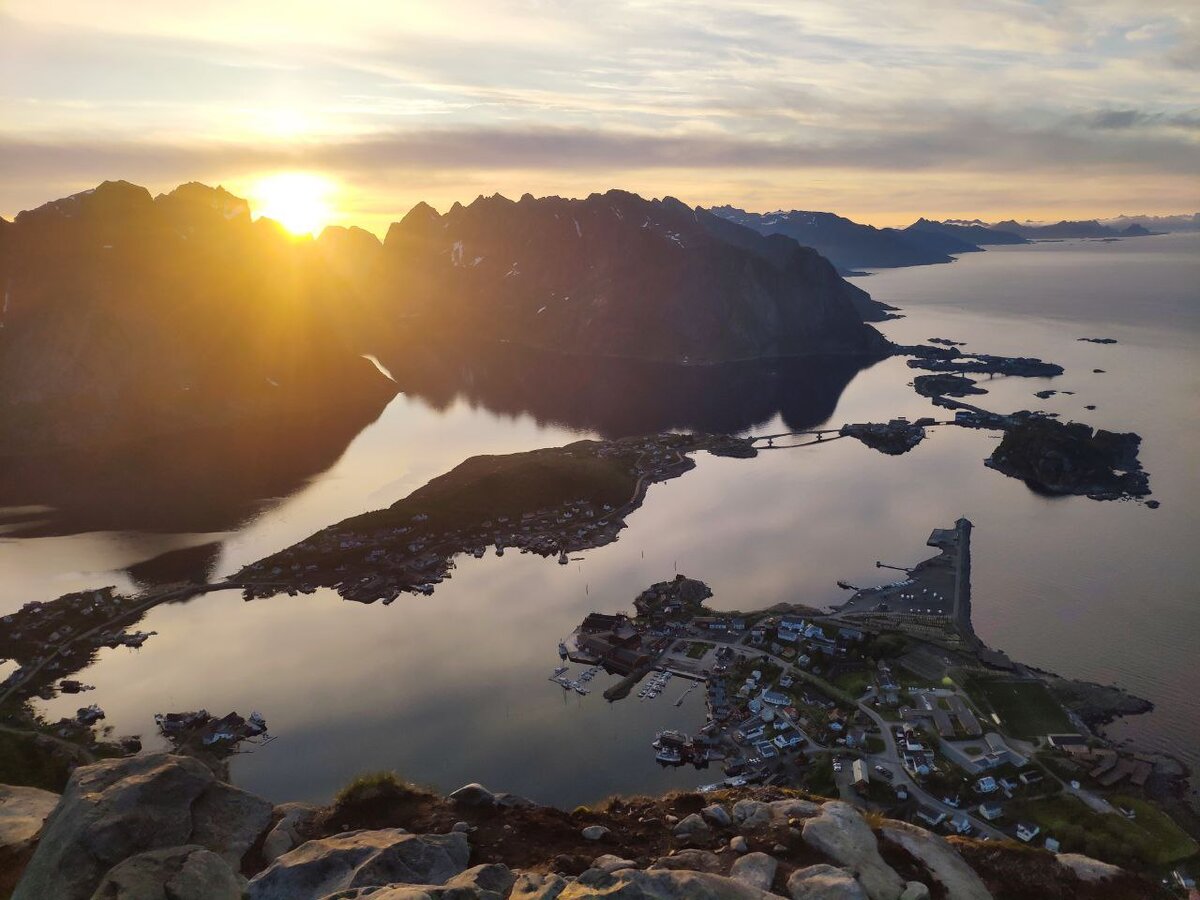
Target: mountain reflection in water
(620,397)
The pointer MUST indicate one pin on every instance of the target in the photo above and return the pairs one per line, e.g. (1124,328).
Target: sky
(878,110)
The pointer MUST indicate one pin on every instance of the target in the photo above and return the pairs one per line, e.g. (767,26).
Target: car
(886,773)
(837,765)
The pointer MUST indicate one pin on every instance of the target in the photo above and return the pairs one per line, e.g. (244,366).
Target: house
(1027,832)
(986,785)
(787,741)
(775,698)
(1031,777)
(858,772)
(1052,845)
(961,824)
(991,810)
(792,623)
(931,817)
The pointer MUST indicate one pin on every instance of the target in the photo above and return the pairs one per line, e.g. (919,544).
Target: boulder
(23,811)
(841,834)
(535,886)
(473,794)
(940,858)
(173,873)
(611,863)
(632,884)
(119,808)
(914,890)
(783,810)
(691,860)
(461,827)
(1087,869)
(594,833)
(228,821)
(755,869)
(751,814)
(286,834)
(739,844)
(390,856)
(717,815)
(824,882)
(692,828)
(514,801)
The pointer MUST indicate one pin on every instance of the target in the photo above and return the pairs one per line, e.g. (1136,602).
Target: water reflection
(618,398)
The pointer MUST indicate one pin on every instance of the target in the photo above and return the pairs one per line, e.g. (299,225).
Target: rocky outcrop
(174,873)
(361,859)
(823,882)
(841,834)
(945,865)
(116,809)
(160,827)
(23,810)
(1087,869)
(287,831)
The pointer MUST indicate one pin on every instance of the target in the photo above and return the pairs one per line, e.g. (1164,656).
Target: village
(890,702)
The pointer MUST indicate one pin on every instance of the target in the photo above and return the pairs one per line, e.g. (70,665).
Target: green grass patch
(698,649)
(854,683)
(1026,708)
(1152,839)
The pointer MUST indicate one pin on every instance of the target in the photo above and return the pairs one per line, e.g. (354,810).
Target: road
(890,759)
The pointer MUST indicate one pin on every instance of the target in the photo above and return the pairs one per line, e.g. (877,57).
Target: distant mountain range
(851,246)
(125,314)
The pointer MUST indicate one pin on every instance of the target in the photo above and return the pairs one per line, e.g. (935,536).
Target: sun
(298,201)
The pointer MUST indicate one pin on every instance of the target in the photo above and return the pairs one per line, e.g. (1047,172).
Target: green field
(698,649)
(854,683)
(1152,839)
(1026,708)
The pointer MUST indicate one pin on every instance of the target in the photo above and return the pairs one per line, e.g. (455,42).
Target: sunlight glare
(296,200)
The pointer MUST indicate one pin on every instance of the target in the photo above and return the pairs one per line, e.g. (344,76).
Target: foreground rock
(824,882)
(23,811)
(362,859)
(176,873)
(840,833)
(117,809)
(755,869)
(946,866)
(660,884)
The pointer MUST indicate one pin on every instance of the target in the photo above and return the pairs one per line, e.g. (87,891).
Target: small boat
(560,670)
(580,689)
(562,649)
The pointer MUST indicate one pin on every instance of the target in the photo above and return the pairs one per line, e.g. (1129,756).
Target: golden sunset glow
(298,201)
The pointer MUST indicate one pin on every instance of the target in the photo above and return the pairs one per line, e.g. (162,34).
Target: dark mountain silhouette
(1065,230)
(126,315)
(616,275)
(974,233)
(847,244)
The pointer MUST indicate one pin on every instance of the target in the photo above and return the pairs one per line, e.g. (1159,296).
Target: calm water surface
(453,688)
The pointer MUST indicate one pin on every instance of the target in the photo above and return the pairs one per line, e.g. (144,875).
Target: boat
(562,649)
(580,689)
(668,755)
(559,671)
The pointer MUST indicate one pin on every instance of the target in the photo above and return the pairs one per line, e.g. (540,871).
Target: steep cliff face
(125,315)
(617,275)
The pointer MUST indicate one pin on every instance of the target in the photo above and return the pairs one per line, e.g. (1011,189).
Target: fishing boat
(580,689)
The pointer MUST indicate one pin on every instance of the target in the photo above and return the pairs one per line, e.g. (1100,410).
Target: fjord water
(453,688)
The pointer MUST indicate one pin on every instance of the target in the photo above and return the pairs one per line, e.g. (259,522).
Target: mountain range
(125,314)
(850,245)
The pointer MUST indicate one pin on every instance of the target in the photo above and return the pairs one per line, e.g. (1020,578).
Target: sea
(454,687)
